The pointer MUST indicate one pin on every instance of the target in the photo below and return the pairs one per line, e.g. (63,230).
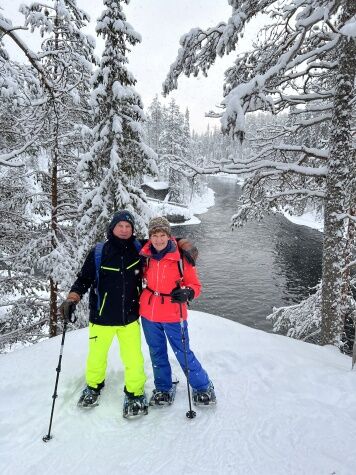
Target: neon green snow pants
(100,339)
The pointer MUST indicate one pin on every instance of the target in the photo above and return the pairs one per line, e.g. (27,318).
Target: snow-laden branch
(299,191)
(349,266)
(199,48)
(314,152)
(7,29)
(6,336)
(244,168)
(6,157)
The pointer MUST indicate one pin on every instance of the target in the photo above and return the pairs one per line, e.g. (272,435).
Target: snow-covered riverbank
(309,219)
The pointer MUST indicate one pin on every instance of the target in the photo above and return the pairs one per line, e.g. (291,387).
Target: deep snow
(284,407)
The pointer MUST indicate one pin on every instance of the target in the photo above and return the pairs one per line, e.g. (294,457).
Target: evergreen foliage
(112,170)
(303,62)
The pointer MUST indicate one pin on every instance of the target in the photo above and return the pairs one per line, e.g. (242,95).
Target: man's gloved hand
(182,295)
(67,308)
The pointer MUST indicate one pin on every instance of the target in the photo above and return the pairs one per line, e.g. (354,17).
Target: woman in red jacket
(170,282)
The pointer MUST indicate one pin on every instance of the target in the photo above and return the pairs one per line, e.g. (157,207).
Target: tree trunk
(339,192)
(54,206)
(53,308)
(54,232)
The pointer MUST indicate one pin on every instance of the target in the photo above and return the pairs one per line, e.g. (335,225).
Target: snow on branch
(296,192)
(7,29)
(299,321)
(201,47)
(314,152)
(6,157)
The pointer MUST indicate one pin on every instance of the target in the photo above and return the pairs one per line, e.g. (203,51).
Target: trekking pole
(190,414)
(67,318)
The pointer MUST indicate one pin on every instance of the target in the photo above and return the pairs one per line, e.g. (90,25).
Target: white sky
(161,23)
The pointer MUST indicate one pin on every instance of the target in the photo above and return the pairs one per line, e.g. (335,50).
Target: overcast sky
(161,23)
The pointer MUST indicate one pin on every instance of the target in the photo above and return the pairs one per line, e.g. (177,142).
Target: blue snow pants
(156,335)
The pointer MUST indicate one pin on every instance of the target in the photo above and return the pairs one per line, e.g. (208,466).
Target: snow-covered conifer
(302,62)
(112,171)
(56,113)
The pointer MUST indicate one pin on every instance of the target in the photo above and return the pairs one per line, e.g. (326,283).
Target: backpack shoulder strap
(137,245)
(180,265)
(98,252)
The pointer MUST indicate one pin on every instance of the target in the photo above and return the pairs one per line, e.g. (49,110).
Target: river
(247,271)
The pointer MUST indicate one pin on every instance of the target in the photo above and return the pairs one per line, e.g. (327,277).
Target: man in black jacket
(115,284)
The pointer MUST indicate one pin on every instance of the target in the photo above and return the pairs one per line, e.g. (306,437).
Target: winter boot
(162,398)
(89,397)
(135,406)
(206,397)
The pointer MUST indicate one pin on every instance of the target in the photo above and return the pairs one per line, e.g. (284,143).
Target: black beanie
(122,215)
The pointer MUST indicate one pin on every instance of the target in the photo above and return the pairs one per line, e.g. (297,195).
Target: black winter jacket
(120,282)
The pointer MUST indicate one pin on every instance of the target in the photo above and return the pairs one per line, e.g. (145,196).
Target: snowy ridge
(284,407)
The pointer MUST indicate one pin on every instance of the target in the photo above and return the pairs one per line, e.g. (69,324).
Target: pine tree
(155,125)
(56,112)
(304,59)
(174,148)
(113,169)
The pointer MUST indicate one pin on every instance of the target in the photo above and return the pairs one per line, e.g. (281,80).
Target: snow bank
(284,407)
(198,205)
(157,185)
(309,219)
(201,204)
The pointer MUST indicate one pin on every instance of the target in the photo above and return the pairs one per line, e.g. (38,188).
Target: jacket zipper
(123,290)
(154,300)
(103,303)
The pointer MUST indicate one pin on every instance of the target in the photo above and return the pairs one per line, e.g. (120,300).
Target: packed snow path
(284,407)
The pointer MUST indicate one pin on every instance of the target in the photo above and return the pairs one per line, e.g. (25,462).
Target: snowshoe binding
(206,397)
(135,406)
(163,398)
(89,397)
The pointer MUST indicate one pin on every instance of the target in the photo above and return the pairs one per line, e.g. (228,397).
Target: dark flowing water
(248,271)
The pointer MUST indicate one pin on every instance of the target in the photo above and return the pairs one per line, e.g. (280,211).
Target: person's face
(122,230)
(159,240)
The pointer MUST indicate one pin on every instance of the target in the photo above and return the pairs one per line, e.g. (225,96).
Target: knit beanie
(122,215)
(159,224)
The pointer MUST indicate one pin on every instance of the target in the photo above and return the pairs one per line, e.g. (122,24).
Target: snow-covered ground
(198,205)
(156,185)
(309,218)
(284,407)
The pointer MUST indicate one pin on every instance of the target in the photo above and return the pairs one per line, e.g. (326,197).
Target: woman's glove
(182,295)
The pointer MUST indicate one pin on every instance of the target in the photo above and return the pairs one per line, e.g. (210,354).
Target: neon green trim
(131,265)
(110,268)
(102,305)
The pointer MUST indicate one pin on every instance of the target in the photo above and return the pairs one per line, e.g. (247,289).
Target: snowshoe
(89,397)
(135,406)
(163,398)
(206,397)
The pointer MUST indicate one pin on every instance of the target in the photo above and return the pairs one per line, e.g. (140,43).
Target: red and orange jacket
(161,277)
